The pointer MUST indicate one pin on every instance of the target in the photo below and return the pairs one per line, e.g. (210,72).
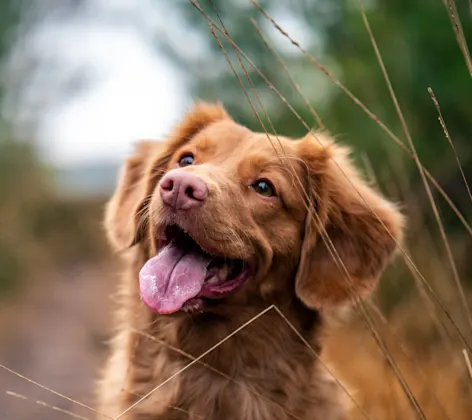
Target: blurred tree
(33,221)
(21,176)
(419,49)
(9,19)
(24,189)
(38,229)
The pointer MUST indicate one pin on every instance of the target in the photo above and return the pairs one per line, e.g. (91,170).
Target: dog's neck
(255,354)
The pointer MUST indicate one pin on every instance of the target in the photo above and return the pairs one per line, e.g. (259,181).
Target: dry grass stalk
(391,389)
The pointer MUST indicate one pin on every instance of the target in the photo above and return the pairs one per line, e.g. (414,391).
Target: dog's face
(226,215)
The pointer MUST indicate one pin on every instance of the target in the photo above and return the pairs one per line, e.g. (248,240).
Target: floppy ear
(141,173)
(363,227)
(122,209)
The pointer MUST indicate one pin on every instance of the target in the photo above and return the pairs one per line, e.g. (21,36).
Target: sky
(126,89)
(87,79)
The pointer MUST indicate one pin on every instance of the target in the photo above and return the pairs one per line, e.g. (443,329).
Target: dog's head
(225,214)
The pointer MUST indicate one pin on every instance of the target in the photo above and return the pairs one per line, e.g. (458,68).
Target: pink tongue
(172,277)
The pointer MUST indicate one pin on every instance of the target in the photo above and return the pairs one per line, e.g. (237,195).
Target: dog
(235,244)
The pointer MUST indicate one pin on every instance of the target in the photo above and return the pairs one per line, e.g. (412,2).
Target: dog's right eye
(186,160)
(264,187)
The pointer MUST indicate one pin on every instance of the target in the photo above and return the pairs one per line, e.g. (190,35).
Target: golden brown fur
(265,370)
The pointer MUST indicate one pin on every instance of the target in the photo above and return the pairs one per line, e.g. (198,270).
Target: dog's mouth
(182,273)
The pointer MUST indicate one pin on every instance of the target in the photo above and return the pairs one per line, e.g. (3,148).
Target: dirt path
(54,334)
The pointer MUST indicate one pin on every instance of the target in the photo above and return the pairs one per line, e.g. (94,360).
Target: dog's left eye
(264,188)
(186,160)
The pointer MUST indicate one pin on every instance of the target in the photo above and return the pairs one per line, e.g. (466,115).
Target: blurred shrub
(418,47)
(22,187)
(38,229)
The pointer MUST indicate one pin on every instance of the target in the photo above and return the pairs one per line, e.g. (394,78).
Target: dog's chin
(187,275)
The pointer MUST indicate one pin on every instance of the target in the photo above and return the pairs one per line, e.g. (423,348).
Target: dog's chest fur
(262,372)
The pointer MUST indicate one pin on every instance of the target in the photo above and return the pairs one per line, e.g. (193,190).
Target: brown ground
(55,337)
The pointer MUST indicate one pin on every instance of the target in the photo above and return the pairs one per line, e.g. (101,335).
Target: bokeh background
(82,80)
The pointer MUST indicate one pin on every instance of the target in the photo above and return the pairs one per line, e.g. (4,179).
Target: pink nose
(182,190)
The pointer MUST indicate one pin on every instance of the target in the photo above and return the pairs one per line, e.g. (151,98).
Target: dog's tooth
(213,279)
(224,271)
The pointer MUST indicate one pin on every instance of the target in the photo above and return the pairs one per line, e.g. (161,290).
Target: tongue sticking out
(172,277)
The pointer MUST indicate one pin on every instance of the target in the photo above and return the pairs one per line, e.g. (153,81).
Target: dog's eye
(186,160)
(264,188)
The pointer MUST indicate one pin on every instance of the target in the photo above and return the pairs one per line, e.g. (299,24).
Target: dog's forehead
(230,139)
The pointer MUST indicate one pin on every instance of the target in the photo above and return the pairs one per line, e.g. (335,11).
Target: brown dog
(221,223)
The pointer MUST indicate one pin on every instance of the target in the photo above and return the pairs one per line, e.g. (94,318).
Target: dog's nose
(182,190)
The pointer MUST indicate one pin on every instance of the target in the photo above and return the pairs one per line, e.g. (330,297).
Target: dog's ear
(122,210)
(141,173)
(351,231)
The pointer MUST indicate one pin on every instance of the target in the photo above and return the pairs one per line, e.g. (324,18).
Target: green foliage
(419,49)
(417,44)
(23,188)
(38,230)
